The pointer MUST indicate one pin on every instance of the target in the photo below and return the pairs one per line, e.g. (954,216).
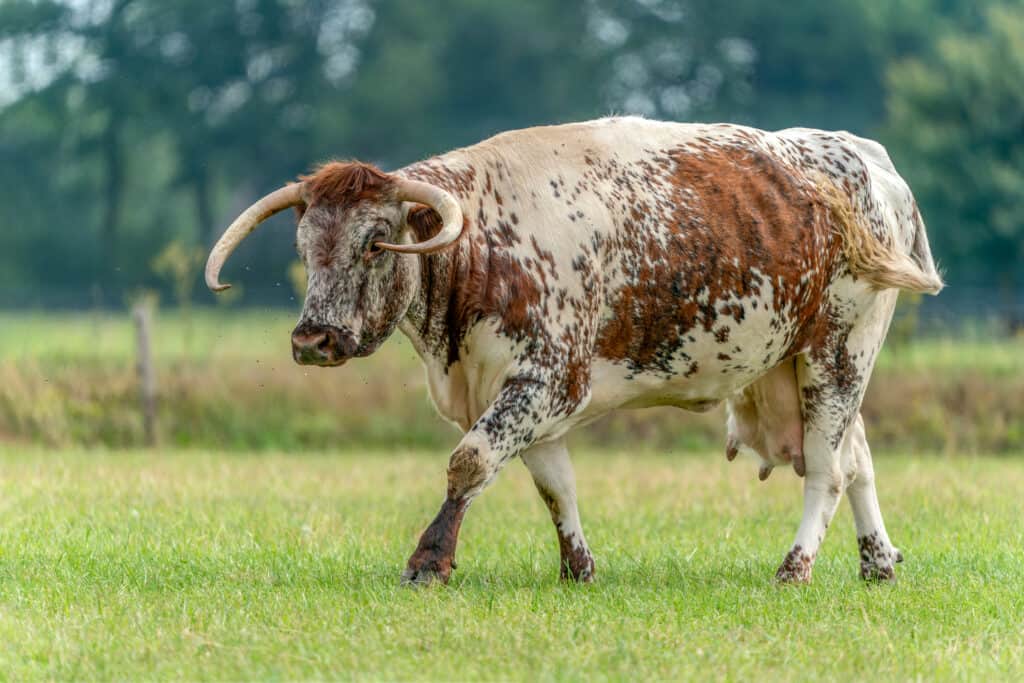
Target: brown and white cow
(550,275)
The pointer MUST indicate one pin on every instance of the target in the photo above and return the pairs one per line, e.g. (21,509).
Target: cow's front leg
(556,482)
(507,427)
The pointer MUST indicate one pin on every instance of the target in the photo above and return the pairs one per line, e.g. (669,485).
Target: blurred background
(133,131)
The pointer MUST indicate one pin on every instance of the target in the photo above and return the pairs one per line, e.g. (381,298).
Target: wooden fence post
(142,314)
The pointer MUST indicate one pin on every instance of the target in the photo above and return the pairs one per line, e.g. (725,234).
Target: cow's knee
(468,472)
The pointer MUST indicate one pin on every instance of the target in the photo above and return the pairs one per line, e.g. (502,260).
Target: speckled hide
(624,263)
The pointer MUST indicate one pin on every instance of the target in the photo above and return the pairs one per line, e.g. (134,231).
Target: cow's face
(356,292)
(362,275)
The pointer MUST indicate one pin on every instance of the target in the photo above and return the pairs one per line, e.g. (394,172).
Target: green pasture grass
(201,565)
(994,357)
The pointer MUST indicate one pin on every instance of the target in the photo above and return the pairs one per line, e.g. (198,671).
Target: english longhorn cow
(550,275)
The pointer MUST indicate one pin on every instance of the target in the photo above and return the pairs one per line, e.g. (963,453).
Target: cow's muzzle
(322,345)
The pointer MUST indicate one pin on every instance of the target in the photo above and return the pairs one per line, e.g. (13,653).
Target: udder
(765,417)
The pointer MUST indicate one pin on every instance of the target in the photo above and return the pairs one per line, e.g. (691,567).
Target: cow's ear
(424,221)
(300,211)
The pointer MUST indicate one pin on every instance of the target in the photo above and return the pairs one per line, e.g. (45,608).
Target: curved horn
(278,200)
(437,199)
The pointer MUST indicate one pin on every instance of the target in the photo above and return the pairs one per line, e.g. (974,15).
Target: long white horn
(278,200)
(437,199)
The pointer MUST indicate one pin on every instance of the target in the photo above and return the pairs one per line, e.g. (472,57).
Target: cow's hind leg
(877,554)
(832,378)
(822,489)
(556,482)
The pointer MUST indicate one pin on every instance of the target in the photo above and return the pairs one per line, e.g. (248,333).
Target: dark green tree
(956,126)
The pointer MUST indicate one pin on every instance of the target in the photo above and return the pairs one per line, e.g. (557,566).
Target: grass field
(201,565)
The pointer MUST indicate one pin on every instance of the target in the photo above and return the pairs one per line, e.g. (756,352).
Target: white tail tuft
(884,266)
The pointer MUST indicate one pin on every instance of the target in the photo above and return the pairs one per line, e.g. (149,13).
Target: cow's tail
(885,266)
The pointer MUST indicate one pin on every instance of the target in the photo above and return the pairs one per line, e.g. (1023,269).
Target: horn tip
(218,287)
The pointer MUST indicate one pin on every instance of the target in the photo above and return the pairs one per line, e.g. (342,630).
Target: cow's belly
(614,385)
(706,367)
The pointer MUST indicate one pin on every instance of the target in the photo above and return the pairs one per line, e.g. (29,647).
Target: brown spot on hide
(459,182)
(495,273)
(738,219)
(486,279)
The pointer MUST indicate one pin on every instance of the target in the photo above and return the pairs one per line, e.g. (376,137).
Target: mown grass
(201,565)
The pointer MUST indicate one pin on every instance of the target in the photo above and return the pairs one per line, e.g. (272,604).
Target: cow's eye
(372,248)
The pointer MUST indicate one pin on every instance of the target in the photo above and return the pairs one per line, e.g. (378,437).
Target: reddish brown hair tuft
(346,182)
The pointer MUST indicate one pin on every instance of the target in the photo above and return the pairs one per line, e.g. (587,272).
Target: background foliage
(228,382)
(126,125)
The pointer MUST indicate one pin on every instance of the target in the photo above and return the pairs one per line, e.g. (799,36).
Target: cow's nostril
(348,344)
(321,345)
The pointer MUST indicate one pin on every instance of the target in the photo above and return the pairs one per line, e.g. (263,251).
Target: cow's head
(351,236)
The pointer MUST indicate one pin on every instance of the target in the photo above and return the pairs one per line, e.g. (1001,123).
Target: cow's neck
(439,313)
(432,325)
(427,320)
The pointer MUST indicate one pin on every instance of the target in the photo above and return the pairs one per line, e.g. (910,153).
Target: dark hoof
(792,578)
(796,568)
(415,578)
(874,573)
(581,574)
(427,568)
(877,558)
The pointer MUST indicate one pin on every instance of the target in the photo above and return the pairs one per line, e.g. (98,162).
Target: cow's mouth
(320,363)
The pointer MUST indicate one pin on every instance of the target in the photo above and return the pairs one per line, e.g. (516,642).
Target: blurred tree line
(126,125)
